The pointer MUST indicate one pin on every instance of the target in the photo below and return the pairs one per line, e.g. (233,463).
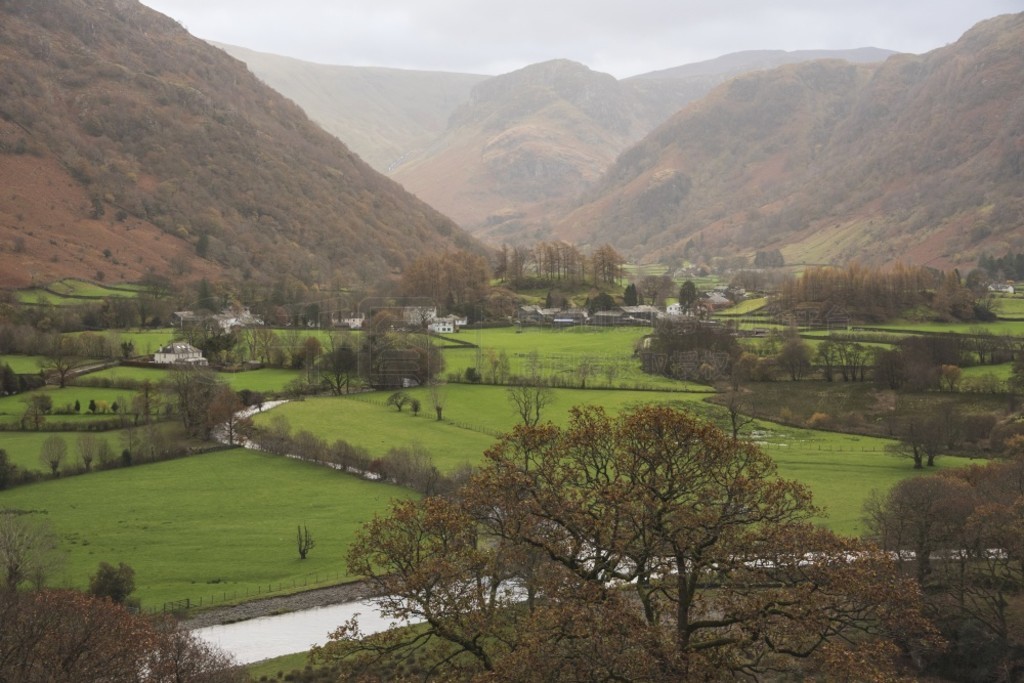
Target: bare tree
(87,445)
(53,453)
(529,397)
(304,541)
(438,397)
(62,358)
(28,549)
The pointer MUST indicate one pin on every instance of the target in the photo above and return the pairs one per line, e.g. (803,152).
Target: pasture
(841,469)
(23,365)
(206,526)
(12,407)
(70,292)
(24,448)
(558,355)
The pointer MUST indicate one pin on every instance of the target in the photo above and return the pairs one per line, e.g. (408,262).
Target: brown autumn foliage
(65,635)
(651,546)
(155,128)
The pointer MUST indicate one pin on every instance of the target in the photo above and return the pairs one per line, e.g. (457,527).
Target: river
(253,640)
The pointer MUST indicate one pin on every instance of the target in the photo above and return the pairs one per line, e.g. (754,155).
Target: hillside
(128,146)
(380,114)
(920,159)
(494,153)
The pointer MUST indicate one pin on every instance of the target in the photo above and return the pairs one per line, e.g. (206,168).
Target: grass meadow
(221,526)
(23,365)
(841,469)
(72,292)
(12,407)
(209,526)
(559,352)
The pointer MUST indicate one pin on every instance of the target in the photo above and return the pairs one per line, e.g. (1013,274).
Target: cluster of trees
(1009,266)
(690,350)
(411,467)
(457,280)
(550,263)
(873,294)
(651,546)
(66,635)
(962,532)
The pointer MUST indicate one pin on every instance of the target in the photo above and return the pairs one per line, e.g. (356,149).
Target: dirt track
(349,592)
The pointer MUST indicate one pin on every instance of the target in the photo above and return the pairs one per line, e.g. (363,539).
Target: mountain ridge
(915,159)
(169,136)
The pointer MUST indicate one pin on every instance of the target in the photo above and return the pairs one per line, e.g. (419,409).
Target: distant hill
(127,146)
(495,152)
(920,159)
(380,114)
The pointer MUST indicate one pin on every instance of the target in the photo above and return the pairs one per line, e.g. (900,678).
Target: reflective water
(282,634)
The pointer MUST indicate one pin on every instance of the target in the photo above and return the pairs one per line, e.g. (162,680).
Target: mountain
(919,159)
(495,152)
(127,146)
(541,133)
(380,114)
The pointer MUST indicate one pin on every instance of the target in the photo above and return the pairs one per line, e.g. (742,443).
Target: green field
(841,469)
(23,365)
(71,292)
(128,374)
(23,448)
(609,351)
(206,526)
(12,407)
(1009,306)
(264,380)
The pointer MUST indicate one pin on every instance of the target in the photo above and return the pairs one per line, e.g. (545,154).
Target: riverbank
(280,604)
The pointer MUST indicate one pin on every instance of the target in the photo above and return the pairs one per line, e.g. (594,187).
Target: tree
(8,470)
(53,453)
(28,549)
(304,542)
(62,357)
(654,288)
(399,400)
(339,364)
(222,413)
(795,356)
(438,398)
(529,398)
(34,416)
(87,445)
(194,390)
(1016,380)
(950,376)
(921,437)
(688,295)
(600,302)
(651,546)
(630,297)
(115,583)
(66,635)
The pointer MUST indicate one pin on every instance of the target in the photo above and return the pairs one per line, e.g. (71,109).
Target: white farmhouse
(179,353)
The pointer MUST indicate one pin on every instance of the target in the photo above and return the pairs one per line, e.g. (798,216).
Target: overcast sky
(620,37)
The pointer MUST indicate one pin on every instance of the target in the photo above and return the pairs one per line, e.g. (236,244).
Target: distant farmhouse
(179,353)
(226,320)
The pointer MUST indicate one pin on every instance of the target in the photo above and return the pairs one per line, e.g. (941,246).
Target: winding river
(282,634)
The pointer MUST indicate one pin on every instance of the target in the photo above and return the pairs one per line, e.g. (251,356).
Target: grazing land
(841,469)
(209,526)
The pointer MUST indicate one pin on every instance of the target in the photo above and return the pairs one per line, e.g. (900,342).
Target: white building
(179,353)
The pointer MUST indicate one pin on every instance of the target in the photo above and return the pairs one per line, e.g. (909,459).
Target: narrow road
(318,597)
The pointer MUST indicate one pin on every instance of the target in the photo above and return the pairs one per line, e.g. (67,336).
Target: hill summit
(127,147)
